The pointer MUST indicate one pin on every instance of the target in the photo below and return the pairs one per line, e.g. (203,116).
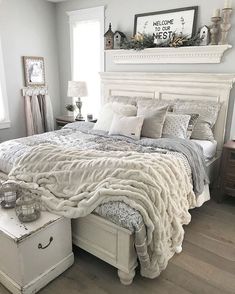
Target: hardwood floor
(205,266)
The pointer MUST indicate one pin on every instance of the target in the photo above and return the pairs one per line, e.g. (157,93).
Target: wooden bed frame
(104,239)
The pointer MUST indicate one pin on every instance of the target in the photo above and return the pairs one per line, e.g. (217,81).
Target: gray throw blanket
(192,151)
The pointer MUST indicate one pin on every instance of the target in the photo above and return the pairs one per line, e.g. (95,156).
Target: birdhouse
(109,39)
(119,37)
(204,35)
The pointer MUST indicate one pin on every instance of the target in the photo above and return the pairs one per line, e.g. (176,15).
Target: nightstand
(61,121)
(227,172)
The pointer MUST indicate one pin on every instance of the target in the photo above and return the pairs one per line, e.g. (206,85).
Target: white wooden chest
(33,254)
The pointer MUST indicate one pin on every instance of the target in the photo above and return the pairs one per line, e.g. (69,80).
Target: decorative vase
(70,113)
(225,25)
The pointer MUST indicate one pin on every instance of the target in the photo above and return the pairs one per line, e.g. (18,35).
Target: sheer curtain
(38,112)
(4,115)
(87,30)
(2,110)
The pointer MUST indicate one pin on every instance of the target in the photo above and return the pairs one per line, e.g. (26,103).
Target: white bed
(106,240)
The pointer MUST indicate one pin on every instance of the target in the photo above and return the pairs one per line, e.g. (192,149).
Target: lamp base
(79,106)
(78,117)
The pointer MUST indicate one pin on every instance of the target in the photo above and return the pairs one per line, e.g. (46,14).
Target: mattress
(209,148)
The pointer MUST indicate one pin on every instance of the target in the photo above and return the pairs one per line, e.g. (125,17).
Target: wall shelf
(192,54)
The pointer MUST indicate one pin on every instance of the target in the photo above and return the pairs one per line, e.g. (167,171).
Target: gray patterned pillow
(208,113)
(154,118)
(176,126)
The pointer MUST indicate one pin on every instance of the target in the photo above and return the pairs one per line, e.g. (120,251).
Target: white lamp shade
(77,89)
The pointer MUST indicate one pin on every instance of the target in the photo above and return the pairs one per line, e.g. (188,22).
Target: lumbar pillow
(175,126)
(208,113)
(154,118)
(129,126)
(109,110)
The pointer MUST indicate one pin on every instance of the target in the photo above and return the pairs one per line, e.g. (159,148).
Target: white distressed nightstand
(33,254)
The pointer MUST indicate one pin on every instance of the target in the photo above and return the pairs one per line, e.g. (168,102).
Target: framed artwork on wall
(34,71)
(162,24)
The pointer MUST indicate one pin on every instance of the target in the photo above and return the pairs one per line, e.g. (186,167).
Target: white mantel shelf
(190,54)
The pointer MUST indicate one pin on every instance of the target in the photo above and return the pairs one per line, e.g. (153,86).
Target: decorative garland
(142,41)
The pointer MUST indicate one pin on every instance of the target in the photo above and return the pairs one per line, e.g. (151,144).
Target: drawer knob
(40,246)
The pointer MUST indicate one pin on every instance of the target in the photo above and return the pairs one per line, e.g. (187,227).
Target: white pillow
(129,126)
(175,126)
(109,110)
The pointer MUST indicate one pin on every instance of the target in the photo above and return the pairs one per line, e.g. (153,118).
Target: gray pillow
(129,126)
(208,113)
(176,126)
(154,118)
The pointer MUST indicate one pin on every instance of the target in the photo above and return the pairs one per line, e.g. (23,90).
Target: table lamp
(77,89)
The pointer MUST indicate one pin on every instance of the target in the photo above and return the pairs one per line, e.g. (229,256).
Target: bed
(91,232)
(105,238)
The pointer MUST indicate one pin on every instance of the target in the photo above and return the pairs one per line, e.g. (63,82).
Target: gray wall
(27,27)
(121,14)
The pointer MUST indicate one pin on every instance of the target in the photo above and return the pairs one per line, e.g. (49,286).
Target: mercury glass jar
(8,194)
(28,206)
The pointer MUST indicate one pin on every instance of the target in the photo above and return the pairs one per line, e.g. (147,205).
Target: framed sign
(162,24)
(34,71)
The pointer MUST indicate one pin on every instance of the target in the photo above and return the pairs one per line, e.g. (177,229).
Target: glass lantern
(28,206)
(8,194)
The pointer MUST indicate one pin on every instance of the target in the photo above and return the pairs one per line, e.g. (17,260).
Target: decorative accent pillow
(109,110)
(208,113)
(129,126)
(192,123)
(154,118)
(176,126)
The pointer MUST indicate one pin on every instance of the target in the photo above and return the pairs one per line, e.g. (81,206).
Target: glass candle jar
(28,206)
(8,194)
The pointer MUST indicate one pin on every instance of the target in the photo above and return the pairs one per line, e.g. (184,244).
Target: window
(4,116)
(87,53)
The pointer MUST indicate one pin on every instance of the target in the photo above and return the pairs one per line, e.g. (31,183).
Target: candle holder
(8,194)
(215,30)
(28,206)
(225,25)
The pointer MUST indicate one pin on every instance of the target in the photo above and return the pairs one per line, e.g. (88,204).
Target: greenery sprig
(143,41)
(70,107)
(139,42)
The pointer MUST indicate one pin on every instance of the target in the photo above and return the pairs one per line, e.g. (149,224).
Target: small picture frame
(34,71)
(163,24)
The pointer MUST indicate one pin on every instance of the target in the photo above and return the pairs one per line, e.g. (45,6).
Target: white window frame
(83,15)
(6,123)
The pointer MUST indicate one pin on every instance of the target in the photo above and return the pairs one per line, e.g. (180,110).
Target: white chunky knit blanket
(74,182)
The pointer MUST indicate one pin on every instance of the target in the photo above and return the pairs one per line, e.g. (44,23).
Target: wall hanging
(34,71)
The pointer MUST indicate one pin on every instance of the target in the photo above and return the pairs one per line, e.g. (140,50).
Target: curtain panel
(39,114)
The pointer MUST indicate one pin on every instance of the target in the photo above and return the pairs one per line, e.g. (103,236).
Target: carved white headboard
(187,86)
